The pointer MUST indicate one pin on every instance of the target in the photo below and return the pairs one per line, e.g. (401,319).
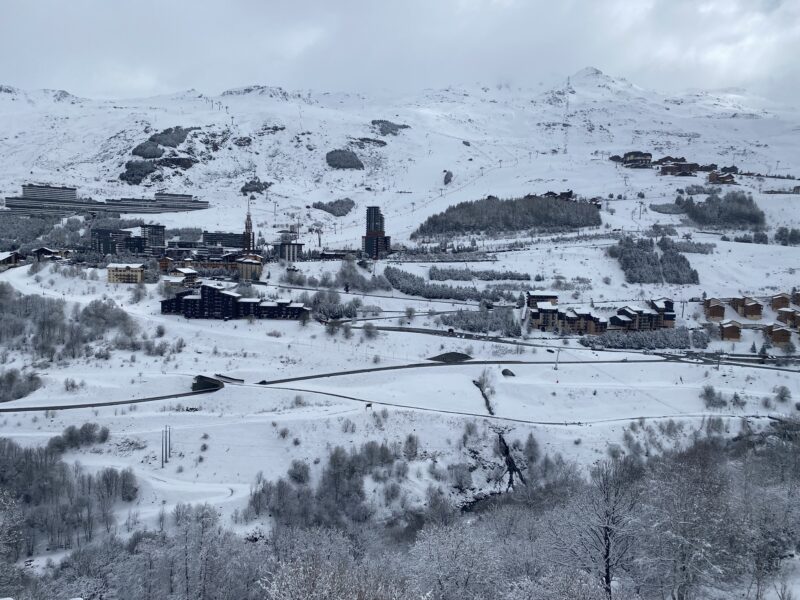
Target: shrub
(299,472)
(782,394)
(711,398)
(411,446)
(15,385)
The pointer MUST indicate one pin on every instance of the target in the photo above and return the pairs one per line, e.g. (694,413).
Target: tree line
(626,530)
(493,215)
(640,263)
(56,505)
(457,274)
(416,285)
(735,210)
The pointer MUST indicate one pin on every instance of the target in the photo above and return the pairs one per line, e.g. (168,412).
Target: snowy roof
(230,293)
(731,324)
(270,304)
(660,303)
(5,255)
(219,285)
(168,279)
(124,266)
(186,271)
(297,305)
(250,300)
(622,318)
(192,297)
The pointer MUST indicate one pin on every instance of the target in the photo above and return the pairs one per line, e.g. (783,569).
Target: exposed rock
(448,177)
(148,149)
(466,143)
(363,142)
(387,127)
(271,129)
(177,162)
(243,142)
(343,159)
(172,137)
(136,171)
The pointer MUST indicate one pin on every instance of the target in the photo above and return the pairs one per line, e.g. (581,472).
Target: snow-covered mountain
(494,140)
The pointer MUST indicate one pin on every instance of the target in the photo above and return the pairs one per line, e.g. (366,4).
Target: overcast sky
(121,48)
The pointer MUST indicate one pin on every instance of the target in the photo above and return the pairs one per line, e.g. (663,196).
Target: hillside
(505,142)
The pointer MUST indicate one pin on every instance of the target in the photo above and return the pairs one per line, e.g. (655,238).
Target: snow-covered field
(519,142)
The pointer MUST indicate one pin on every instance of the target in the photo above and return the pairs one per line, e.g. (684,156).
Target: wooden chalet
(730,331)
(9,259)
(789,316)
(779,335)
(749,308)
(721,178)
(637,160)
(714,309)
(779,301)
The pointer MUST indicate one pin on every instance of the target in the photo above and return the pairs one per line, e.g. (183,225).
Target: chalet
(721,178)
(543,317)
(9,259)
(714,309)
(730,330)
(748,308)
(217,300)
(621,322)
(637,160)
(779,335)
(789,316)
(665,310)
(187,275)
(45,253)
(779,301)
(536,298)
(668,160)
(637,318)
(680,169)
(125,273)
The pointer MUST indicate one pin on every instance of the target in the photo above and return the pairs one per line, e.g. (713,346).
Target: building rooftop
(124,266)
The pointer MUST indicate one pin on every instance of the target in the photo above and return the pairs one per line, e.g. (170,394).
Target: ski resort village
(402,323)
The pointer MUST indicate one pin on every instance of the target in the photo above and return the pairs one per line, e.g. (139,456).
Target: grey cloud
(112,49)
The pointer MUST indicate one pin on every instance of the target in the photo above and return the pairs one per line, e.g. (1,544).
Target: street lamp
(557,352)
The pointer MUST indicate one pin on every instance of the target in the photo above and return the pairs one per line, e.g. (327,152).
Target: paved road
(527,421)
(11,409)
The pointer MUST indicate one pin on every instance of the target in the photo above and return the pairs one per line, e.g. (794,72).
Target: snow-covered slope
(500,141)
